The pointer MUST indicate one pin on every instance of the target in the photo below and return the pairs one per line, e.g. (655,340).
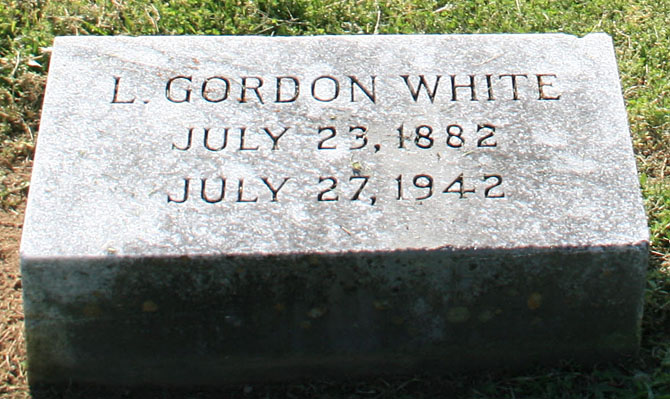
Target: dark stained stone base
(217,321)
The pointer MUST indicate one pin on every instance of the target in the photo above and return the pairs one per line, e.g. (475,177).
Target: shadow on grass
(567,380)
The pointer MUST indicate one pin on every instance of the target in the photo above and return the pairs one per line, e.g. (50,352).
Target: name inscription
(325,88)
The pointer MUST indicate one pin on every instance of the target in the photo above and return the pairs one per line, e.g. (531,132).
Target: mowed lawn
(641,32)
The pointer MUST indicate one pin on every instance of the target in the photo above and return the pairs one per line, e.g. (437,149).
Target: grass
(641,32)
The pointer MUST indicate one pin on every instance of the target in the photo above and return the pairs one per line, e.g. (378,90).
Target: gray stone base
(223,320)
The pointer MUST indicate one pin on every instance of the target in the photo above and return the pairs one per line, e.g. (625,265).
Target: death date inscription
(328,189)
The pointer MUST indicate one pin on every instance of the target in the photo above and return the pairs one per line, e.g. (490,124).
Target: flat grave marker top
(225,145)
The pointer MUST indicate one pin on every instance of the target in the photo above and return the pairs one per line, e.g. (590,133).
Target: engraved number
(487,190)
(458,186)
(399,180)
(360,188)
(482,142)
(332,131)
(454,139)
(423,139)
(423,181)
(401,137)
(456,136)
(361,136)
(322,194)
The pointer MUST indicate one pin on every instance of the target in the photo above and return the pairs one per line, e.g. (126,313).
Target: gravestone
(209,210)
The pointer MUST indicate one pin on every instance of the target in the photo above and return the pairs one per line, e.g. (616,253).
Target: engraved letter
(203,195)
(205,93)
(243,95)
(186,184)
(115,99)
(188,142)
(372,96)
(243,131)
(490,87)
(275,191)
(422,83)
(541,83)
(296,89)
(336,89)
(224,141)
(513,76)
(240,192)
(454,86)
(168,90)
(275,139)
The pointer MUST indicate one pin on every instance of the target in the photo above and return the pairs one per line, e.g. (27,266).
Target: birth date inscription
(352,137)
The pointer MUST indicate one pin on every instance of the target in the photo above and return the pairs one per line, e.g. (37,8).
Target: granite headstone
(209,210)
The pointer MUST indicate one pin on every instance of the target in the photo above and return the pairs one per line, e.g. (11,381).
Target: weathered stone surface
(367,223)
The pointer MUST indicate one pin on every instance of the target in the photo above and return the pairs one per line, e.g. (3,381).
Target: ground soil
(13,381)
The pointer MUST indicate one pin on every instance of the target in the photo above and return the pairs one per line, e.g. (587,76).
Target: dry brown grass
(13,380)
